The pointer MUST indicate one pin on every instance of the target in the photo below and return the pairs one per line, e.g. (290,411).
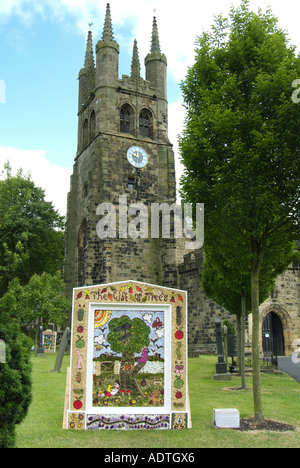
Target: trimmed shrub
(15,382)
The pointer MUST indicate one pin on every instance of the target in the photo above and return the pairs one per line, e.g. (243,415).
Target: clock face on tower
(137,156)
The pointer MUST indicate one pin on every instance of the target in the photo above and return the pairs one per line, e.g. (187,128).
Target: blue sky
(42,47)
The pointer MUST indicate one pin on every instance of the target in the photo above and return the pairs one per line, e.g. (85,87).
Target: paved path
(289,367)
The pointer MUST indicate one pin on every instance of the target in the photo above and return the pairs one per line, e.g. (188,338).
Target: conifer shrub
(15,381)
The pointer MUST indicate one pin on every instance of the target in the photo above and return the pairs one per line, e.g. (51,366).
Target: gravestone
(232,352)
(221,367)
(2,352)
(231,346)
(61,351)
(225,333)
(226,418)
(40,343)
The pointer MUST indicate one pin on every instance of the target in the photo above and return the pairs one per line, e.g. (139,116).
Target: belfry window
(145,124)
(85,133)
(93,125)
(125,119)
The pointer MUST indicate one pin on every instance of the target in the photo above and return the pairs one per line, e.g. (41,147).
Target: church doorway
(272,335)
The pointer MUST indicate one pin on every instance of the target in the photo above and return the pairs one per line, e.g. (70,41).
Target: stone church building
(124,153)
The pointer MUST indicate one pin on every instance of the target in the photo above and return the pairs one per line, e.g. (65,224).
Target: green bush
(15,382)
(230,327)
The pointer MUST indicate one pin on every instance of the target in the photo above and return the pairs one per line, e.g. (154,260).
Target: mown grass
(42,427)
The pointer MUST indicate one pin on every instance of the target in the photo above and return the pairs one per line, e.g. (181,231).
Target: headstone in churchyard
(231,346)
(40,344)
(221,367)
(232,351)
(2,352)
(61,351)
(225,343)
(227,418)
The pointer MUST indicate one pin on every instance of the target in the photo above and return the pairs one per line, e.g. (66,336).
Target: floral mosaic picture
(49,339)
(128,358)
(128,362)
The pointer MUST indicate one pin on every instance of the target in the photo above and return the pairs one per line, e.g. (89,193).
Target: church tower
(123,155)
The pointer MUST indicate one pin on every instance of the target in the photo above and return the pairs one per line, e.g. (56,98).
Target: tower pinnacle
(89,54)
(107,31)
(135,64)
(156,64)
(107,53)
(155,47)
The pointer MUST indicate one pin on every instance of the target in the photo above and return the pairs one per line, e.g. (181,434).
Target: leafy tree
(128,337)
(240,148)
(41,301)
(31,230)
(15,381)
(231,288)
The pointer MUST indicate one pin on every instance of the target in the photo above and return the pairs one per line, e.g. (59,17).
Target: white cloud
(160,332)
(179,22)
(55,180)
(148,318)
(99,340)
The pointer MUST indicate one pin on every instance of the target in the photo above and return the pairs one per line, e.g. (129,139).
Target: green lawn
(42,427)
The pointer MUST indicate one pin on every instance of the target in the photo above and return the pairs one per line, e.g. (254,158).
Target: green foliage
(41,300)
(31,243)
(31,231)
(15,382)
(240,145)
(241,152)
(128,336)
(224,283)
(230,327)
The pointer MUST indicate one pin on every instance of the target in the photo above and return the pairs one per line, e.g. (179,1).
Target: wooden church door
(272,334)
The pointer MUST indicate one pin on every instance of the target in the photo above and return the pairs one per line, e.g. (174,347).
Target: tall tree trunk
(128,370)
(242,341)
(238,340)
(258,411)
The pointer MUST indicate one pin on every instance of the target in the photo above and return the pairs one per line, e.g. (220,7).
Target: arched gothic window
(145,124)
(126,114)
(93,125)
(85,133)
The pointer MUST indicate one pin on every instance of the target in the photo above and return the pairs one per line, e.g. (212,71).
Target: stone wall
(202,311)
